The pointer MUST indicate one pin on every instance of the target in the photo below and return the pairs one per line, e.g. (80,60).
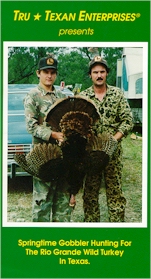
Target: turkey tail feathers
(102,142)
(100,150)
(21,161)
(76,122)
(70,104)
(40,155)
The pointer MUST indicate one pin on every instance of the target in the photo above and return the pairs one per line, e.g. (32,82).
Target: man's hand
(57,136)
(118,136)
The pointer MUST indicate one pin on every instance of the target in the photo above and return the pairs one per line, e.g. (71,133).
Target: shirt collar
(92,93)
(44,92)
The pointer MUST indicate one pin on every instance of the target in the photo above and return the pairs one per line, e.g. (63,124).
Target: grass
(20,190)
(132,179)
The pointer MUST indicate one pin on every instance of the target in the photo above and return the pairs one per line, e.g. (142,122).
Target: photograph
(76,135)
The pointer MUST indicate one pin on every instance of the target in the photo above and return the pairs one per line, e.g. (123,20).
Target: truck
(19,140)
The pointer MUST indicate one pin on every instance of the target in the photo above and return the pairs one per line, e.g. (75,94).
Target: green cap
(47,63)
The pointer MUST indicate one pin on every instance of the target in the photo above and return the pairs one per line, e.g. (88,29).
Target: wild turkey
(80,153)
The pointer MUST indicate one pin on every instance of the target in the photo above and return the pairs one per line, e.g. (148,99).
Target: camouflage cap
(47,63)
(98,60)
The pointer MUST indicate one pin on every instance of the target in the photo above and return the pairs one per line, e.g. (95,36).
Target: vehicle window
(15,101)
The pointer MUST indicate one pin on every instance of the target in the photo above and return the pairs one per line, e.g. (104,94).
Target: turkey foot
(72,201)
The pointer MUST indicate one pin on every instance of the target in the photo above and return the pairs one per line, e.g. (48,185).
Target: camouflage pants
(51,201)
(115,199)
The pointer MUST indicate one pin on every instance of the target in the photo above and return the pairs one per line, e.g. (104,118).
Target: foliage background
(72,64)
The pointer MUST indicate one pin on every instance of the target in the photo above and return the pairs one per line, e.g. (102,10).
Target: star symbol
(37,16)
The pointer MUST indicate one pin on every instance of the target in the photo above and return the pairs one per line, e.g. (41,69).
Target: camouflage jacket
(37,104)
(115,112)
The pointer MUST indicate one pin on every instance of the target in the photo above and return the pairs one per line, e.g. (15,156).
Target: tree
(23,61)
(73,68)
(72,63)
(20,65)
(111,55)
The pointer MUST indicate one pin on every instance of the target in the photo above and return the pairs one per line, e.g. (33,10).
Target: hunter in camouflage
(116,119)
(37,104)
(50,201)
